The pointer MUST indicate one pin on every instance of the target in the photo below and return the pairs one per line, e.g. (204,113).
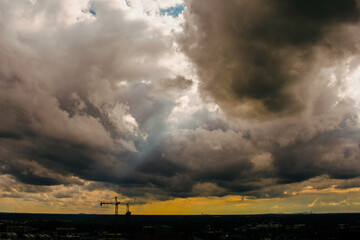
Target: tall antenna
(127,209)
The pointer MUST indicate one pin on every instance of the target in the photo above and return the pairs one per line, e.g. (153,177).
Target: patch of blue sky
(172,11)
(91,8)
(92,12)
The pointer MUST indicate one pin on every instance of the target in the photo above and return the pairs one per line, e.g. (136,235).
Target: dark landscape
(194,227)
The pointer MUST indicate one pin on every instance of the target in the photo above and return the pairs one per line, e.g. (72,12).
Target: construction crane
(116,203)
(127,213)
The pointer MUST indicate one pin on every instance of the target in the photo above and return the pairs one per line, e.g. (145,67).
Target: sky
(180,107)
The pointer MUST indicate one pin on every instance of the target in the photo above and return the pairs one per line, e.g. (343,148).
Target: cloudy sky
(189,107)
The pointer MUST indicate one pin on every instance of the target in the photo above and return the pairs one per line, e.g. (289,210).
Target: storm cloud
(61,87)
(235,97)
(257,58)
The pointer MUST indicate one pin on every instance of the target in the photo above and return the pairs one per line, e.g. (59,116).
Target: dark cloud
(92,100)
(179,82)
(63,110)
(158,165)
(253,56)
(335,153)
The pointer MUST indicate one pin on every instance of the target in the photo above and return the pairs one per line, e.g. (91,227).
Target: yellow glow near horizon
(329,202)
(74,199)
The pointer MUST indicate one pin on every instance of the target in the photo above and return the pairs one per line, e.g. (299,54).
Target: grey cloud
(63,111)
(63,195)
(149,107)
(9,184)
(310,186)
(182,164)
(158,165)
(253,57)
(91,101)
(205,119)
(335,153)
(259,160)
(179,82)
